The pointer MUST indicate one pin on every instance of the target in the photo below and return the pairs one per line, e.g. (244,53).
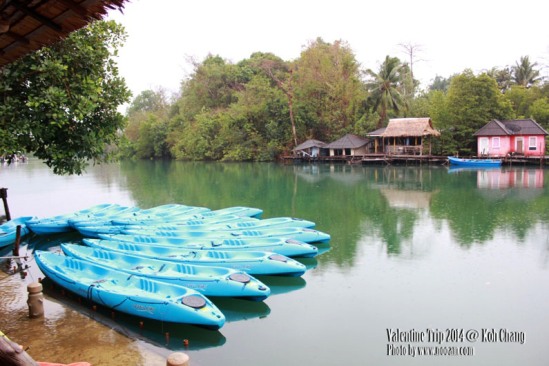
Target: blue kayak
(60,223)
(302,234)
(161,213)
(241,211)
(8,230)
(252,262)
(130,294)
(287,247)
(274,222)
(208,280)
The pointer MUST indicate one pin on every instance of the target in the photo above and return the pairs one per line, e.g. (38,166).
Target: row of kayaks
(165,262)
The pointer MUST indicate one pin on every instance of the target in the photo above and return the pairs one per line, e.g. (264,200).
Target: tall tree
(282,74)
(504,77)
(472,102)
(60,102)
(328,92)
(384,87)
(525,73)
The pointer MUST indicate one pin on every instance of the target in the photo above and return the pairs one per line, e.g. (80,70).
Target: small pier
(372,159)
(401,159)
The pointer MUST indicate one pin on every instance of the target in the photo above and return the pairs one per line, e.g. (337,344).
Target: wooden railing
(404,150)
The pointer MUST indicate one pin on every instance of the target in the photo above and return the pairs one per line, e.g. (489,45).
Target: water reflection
(167,335)
(283,284)
(442,243)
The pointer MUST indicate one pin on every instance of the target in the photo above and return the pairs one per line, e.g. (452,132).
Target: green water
(421,252)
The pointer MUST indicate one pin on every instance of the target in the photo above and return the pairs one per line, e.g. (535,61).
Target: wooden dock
(390,159)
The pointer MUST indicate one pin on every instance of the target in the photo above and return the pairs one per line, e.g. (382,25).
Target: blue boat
(252,262)
(131,294)
(8,230)
(161,213)
(208,280)
(60,223)
(475,162)
(302,234)
(273,222)
(241,211)
(287,247)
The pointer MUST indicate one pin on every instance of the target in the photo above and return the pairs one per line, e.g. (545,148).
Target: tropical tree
(539,111)
(525,73)
(472,101)
(329,95)
(504,77)
(440,83)
(148,126)
(384,88)
(60,103)
(522,98)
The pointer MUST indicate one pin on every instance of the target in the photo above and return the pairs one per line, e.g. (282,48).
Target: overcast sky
(450,35)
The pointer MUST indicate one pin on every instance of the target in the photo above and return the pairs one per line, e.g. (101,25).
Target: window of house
(495,142)
(532,142)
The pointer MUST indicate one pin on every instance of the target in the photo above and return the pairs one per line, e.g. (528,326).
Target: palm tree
(384,88)
(524,72)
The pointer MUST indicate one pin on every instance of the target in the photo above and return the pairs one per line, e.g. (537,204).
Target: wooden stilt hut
(408,136)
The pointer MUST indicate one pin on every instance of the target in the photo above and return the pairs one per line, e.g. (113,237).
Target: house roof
(410,127)
(27,25)
(348,141)
(377,133)
(511,127)
(308,144)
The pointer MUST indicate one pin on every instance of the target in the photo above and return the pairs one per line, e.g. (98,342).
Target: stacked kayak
(296,233)
(252,262)
(60,223)
(208,280)
(8,230)
(159,213)
(134,295)
(287,247)
(236,211)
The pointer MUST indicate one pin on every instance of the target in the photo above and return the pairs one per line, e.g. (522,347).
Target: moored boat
(241,211)
(475,162)
(252,262)
(60,223)
(8,230)
(134,295)
(161,213)
(274,222)
(208,280)
(302,234)
(287,247)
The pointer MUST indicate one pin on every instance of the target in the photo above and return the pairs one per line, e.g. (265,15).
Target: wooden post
(17,241)
(178,359)
(4,196)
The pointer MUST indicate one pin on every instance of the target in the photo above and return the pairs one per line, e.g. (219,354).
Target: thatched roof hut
(410,127)
(27,25)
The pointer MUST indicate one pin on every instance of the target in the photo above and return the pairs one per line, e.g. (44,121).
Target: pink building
(516,137)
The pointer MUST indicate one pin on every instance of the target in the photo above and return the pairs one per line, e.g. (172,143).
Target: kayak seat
(217,255)
(147,285)
(73,264)
(183,268)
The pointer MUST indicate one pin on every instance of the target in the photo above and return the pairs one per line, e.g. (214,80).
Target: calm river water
(422,260)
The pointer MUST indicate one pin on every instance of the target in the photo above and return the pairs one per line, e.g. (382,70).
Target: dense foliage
(261,107)
(60,103)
